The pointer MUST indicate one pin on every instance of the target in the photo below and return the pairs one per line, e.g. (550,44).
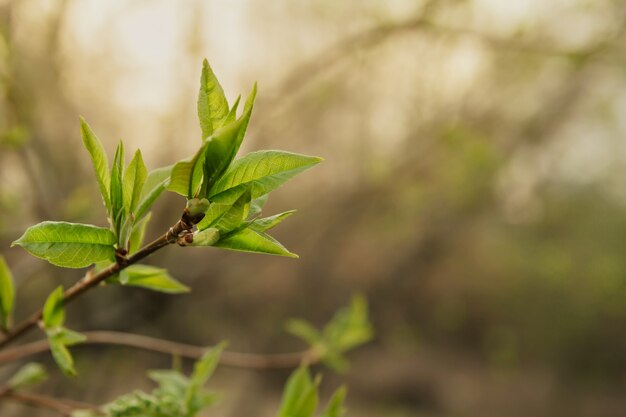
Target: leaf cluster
(349,328)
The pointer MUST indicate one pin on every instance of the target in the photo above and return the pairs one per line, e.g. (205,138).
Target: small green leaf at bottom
(28,375)
(7,294)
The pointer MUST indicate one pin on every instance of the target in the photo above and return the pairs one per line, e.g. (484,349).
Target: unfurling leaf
(206,237)
(7,294)
(267,223)
(70,245)
(154,186)
(212,104)
(300,395)
(202,371)
(136,236)
(53,311)
(186,176)
(303,330)
(134,179)
(28,375)
(117,190)
(59,339)
(335,406)
(248,240)
(350,327)
(62,356)
(99,161)
(223,145)
(263,171)
(152,278)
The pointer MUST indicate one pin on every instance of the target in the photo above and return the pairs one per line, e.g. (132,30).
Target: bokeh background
(474,189)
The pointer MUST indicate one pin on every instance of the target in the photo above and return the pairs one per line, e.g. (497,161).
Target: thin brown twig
(63,406)
(234,359)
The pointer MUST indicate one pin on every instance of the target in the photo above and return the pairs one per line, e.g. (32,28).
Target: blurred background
(474,189)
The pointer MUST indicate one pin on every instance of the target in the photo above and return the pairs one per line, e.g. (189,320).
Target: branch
(184,225)
(234,359)
(62,406)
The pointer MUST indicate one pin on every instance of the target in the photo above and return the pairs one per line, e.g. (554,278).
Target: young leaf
(117,192)
(202,371)
(335,406)
(53,311)
(136,236)
(232,218)
(152,278)
(224,144)
(134,179)
(216,211)
(155,184)
(62,356)
(7,294)
(350,327)
(267,223)
(204,368)
(212,104)
(67,337)
(300,395)
(257,204)
(70,245)
(186,176)
(304,331)
(206,237)
(155,179)
(264,171)
(232,114)
(248,240)
(28,375)
(99,161)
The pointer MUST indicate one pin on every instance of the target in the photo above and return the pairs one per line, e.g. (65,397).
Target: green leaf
(232,114)
(248,240)
(28,375)
(117,191)
(223,145)
(70,245)
(66,336)
(231,219)
(335,406)
(212,104)
(134,179)
(206,237)
(62,356)
(99,161)
(155,179)
(53,311)
(267,223)
(170,381)
(264,171)
(299,396)
(202,371)
(350,327)
(155,184)
(7,294)
(152,278)
(257,204)
(204,368)
(186,176)
(137,235)
(216,211)
(304,331)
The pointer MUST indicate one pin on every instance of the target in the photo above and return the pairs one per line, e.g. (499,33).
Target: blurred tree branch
(233,359)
